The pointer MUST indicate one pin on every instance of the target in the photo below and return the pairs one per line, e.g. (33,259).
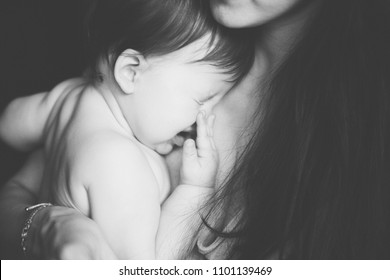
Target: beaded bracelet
(32,211)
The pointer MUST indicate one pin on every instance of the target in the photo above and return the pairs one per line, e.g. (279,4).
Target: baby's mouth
(189,133)
(175,143)
(182,136)
(178,140)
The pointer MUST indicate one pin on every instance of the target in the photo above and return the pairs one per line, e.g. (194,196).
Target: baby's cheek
(148,133)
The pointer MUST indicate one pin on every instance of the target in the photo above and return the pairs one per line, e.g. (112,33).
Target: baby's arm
(123,196)
(23,121)
(181,211)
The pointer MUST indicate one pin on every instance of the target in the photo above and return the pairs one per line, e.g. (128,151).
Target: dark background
(40,45)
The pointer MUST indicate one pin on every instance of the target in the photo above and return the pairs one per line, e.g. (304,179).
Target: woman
(310,177)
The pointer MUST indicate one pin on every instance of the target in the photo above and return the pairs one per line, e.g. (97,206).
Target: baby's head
(167,60)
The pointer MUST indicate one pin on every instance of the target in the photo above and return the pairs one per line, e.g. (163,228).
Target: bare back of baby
(80,131)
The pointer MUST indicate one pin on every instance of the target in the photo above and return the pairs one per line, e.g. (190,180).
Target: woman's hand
(56,232)
(64,233)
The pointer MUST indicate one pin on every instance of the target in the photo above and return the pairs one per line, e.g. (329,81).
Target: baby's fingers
(204,140)
(190,154)
(201,127)
(210,130)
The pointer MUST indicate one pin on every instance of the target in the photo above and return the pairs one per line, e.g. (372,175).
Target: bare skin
(273,43)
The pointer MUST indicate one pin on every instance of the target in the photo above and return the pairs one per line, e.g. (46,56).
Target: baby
(157,68)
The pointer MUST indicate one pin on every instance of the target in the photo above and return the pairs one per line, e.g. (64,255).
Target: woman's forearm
(55,233)
(13,200)
(18,193)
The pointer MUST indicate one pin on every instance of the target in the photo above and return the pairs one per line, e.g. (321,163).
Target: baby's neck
(114,107)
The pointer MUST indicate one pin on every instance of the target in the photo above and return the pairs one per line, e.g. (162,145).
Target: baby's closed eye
(200,103)
(205,100)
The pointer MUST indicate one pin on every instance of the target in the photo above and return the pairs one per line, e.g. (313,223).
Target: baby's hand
(200,161)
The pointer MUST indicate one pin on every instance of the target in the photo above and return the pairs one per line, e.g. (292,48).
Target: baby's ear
(128,67)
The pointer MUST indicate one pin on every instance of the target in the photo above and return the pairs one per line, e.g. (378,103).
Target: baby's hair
(158,27)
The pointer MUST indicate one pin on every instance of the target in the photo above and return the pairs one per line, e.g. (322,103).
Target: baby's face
(171,92)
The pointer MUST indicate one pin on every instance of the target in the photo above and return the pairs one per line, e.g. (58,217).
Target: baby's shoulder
(104,146)
(105,149)
(69,84)
(109,152)
(59,93)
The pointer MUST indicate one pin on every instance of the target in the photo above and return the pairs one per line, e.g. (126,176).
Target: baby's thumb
(189,152)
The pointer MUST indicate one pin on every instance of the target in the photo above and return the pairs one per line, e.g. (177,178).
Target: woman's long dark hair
(314,183)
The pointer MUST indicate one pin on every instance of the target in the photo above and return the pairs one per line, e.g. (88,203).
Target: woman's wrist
(27,233)
(60,232)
